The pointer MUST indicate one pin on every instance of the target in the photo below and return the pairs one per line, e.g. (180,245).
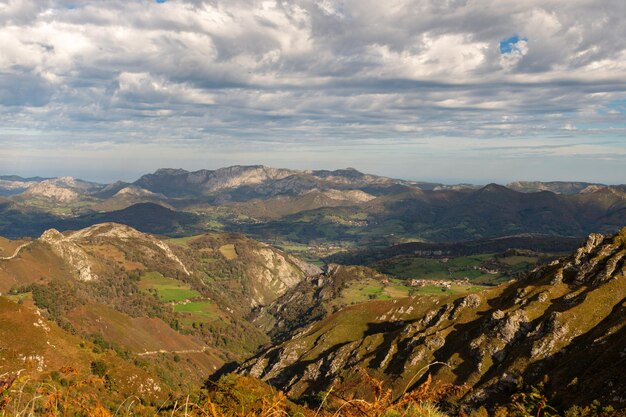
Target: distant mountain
(343,206)
(14,184)
(452,216)
(558,187)
(110,190)
(146,217)
(17,178)
(60,190)
(181,183)
(253,181)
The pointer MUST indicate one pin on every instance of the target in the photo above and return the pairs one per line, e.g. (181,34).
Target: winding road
(17,252)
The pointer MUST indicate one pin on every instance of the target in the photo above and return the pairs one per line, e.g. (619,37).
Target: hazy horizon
(445,181)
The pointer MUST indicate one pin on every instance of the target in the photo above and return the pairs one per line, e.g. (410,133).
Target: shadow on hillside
(586,369)
(385,327)
(227,368)
(297,370)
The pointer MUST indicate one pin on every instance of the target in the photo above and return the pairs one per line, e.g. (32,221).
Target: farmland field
(197,311)
(167,289)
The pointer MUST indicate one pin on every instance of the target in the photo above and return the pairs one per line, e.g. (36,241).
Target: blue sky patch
(618,105)
(160,1)
(509,45)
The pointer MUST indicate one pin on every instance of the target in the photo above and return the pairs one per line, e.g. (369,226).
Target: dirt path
(154,352)
(17,252)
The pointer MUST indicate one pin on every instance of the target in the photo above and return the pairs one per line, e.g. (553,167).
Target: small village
(438,282)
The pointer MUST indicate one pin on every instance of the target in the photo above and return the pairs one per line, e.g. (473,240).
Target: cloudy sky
(446,90)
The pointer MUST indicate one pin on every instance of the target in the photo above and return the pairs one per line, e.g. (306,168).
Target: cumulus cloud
(305,71)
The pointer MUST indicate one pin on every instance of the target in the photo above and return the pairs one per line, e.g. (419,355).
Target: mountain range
(307,207)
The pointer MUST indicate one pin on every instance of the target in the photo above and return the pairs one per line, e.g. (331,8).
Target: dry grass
(79,396)
(233,396)
(240,396)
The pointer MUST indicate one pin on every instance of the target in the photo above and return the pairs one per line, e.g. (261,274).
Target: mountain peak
(557,187)
(495,188)
(170,171)
(52,191)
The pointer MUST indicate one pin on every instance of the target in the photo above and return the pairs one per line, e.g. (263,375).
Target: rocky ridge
(51,191)
(70,247)
(558,187)
(71,253)
(61,189)
(493,341)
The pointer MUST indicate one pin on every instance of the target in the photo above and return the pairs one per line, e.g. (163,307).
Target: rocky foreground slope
(564,324)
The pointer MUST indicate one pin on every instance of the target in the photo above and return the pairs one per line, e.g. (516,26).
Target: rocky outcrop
(135,191)
(353,196)
(308,268)
(552,322)
(71,249)
(596,261)
(12,186)
(68,250)
(51,191)
(142,241)
(274,274)
(61,189)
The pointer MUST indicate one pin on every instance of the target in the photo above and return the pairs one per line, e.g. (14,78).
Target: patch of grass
(198,310)
(19,297)
(397,290)
(182,241)
(359,292)
(363,291)
(293,247)
(168,289)
(228,251)
(372,290)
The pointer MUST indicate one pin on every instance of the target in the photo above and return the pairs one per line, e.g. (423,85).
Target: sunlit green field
(197,311)
(376,290)
(167,289)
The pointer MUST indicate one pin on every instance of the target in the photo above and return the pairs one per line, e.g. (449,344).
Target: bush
(99,368)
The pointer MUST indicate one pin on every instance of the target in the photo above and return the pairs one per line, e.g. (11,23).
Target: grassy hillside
(555,322)
(174,307)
